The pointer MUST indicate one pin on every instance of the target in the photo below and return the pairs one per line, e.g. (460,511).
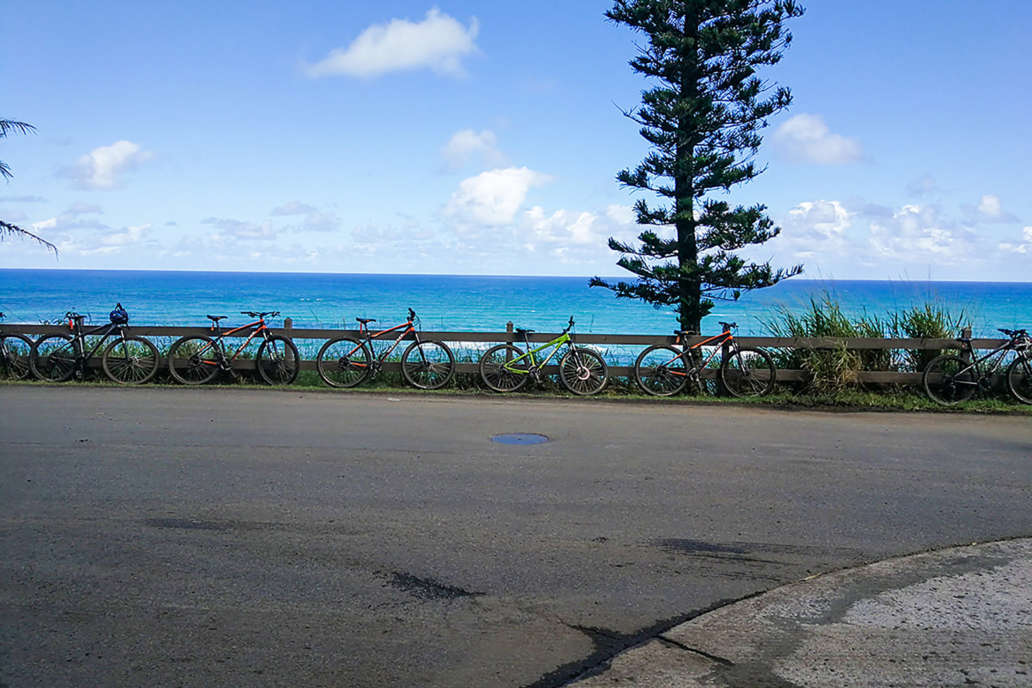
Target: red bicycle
(195,359)
(346,362)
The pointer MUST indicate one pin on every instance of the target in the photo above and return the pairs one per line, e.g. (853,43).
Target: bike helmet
(119,316)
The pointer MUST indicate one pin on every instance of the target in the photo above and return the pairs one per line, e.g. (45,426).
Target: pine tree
(703,121)
(6,228)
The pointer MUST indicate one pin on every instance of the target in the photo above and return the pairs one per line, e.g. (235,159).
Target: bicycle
(197,359)
(950,379)
(664,370)
(15,354)
(506,367)
(126,360)
(346,362)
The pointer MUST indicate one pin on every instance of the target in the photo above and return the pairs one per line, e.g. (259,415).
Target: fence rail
(783,375)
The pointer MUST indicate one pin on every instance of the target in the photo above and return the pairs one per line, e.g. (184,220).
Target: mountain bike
(664,370)
(346,362)
(15,353)
(506,367)
(196,359)
(126,360)
(950,379)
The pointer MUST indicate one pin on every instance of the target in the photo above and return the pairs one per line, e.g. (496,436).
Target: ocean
(464,302)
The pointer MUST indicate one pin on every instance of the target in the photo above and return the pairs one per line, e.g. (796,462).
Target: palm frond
(7,125)
(8,230)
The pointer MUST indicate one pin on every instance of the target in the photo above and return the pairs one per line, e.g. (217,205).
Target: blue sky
(473,137)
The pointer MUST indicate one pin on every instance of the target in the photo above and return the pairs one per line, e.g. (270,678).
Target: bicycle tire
(194,360)
(583,372)
(941,376)
(433,368)
(493,369)
(278,361)
(748,373)
(53,358)
(1019,379)
(661,370)
(130,366)
(343,362)
(15,361)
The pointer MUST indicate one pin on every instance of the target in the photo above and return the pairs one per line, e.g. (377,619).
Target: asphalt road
(175,537)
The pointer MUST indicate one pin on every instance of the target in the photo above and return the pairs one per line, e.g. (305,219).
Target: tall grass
(830,371)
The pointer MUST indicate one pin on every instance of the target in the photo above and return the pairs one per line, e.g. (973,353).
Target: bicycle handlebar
(1014,334)
(728,326)
(253,314)
(411,315)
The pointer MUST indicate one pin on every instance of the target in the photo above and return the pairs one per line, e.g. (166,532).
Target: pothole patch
(520,438)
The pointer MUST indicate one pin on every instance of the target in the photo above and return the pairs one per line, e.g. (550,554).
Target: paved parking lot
(225,538)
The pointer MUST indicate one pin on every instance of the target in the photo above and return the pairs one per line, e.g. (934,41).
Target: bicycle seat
(216,318)
(522,331)
(365,321)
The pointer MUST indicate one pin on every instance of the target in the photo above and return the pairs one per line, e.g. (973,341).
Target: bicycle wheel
(194,360)
(500,377)
(15,354)
(949,380)
(661,371)
(748,373)
(130,360)
(583,372)
(53,358)
(1019,379)
(278,361)
(343,362)
(428,365)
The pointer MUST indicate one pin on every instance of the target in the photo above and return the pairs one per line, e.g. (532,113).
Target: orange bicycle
(195,359)
(664,370)
(345,362)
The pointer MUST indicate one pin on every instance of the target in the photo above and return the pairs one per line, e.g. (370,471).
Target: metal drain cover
(520,438)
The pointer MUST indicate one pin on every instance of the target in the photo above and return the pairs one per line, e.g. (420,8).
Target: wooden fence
(630,340)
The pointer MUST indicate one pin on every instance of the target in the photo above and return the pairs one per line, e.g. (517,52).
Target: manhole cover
(520,438)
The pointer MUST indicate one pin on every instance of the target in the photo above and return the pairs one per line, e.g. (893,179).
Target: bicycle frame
(407,328)
(564,338)
(725,338)
(260,328)
(79,340)
(975,364)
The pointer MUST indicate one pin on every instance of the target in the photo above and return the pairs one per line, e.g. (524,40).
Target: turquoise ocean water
(459,302)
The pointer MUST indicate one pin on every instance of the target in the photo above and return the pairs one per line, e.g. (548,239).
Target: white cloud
(293,208)
(990,206)
(1024,247)
(563,226)
(815,228)
(102,167)
(44,224)
(439,43)
(916,231)
(494,197)
(467,144)
(621,214)
(228,228)
(807,138)
(314,219)
(83,209)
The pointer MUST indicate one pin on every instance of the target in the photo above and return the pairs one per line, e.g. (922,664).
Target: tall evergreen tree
(6,228)
(703,121)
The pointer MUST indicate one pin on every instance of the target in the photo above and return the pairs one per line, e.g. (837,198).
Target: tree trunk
(684,188)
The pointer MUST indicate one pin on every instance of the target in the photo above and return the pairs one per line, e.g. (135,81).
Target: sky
(484,138)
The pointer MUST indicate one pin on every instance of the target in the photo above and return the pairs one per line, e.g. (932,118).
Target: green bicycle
(506,368)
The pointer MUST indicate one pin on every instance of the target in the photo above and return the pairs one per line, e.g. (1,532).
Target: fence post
(509,340)
(965,334)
